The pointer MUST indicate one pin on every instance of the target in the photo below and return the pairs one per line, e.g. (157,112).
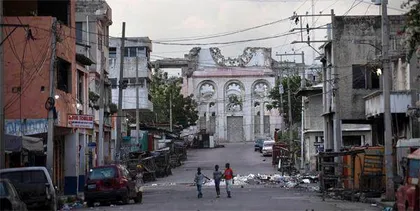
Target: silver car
(267,148)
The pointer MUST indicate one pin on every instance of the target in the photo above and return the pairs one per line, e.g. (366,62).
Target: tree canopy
(296,101)
(412,28)
(184,108)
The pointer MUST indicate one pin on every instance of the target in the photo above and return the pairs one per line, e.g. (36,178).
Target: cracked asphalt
(175,193)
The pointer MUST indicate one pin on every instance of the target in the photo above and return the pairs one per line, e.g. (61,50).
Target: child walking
(199,181)
(217,176)
(228,175)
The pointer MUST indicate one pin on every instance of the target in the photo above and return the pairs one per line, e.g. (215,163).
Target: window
(54,8)
(100,41)
(3,189)
(114,84)
(132,51)
(364,78)
(102,173)
(112,52)
(79,32)
(414,168)
(80,85)
(63,75)
(26,177)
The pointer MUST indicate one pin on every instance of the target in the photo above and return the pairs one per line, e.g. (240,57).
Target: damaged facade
(232,93)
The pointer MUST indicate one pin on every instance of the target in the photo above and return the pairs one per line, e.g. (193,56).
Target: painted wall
(33,75)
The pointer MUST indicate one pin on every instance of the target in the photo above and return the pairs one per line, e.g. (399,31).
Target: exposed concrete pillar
(247,114)
(208,117)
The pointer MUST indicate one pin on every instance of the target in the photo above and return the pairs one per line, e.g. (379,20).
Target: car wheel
(126,198)
(138,198)
(90,203)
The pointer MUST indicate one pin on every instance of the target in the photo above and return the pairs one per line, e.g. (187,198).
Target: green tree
(296,101)
(412,28)
(184,108)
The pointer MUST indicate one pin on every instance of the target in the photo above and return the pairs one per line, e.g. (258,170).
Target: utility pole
(289,92)
(170,112)
(389,195)
(2,142)
(289,104)
(137,100)
(302,138)
(50,138)
(120,93)
(101,114)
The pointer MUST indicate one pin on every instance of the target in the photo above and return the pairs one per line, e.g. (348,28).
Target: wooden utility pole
(302,137)
(120,93)
(389,166)
(51,99)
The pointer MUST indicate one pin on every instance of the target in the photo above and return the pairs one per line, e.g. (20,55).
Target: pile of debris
(275,179)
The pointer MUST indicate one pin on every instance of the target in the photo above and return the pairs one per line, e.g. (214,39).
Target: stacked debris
(275,179)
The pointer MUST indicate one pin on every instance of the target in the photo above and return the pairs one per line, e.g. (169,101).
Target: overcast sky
(168,19)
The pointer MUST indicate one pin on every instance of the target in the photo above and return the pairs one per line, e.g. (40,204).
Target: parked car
(258,145)
(9,197)
(111,183)
(267,148)
(34,186)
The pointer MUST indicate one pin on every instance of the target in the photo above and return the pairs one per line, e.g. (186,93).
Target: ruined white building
(232,93)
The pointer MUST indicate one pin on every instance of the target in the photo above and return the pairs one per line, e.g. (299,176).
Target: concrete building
(27,63)
(352,83)
(92,21)
(136,48)
(232,93)
(313,131)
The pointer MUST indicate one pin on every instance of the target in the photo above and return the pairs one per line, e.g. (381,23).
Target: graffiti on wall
(19,127)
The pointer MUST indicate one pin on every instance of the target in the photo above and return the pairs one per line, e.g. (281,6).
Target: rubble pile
(275,179)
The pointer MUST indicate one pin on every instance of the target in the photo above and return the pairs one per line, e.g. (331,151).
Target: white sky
(163,19)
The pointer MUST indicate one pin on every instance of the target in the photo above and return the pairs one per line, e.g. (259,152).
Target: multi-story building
(232,93)
(92,21)
(352,80)
(28,59)
(136,56)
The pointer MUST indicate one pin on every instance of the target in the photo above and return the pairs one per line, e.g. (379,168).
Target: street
(176,192)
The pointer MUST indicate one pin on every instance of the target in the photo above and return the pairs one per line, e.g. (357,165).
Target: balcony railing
(400,101)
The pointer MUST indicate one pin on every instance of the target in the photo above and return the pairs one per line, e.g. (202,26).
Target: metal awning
(17,143)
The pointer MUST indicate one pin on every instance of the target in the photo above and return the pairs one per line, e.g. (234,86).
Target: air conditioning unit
(376,2)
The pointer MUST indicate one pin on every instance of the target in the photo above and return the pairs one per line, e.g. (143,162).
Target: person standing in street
(199,181)
(228,175)
(217,176)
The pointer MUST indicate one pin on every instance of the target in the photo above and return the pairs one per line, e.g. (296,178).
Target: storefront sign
(80,121)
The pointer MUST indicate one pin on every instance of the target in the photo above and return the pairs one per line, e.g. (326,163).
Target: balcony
(400,101)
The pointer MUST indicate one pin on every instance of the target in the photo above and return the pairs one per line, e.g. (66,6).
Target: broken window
(132,51)
(112,52)
(59,9)
(63,75)
(364,78)
(349,141)
(114,84)
(79,32)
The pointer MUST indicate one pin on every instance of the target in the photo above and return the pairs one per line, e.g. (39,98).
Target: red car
(111,183)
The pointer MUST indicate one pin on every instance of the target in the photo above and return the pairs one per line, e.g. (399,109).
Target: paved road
(241,157)
(172,193)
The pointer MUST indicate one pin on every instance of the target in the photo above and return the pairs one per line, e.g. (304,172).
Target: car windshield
(268,144)
(3,189)
(25,177)
(414,168)
(102,173)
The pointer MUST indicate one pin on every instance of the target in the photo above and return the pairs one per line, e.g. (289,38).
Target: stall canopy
(17,143)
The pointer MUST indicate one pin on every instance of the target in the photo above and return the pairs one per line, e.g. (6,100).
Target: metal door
(235,129)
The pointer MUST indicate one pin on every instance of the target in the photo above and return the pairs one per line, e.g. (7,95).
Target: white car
(267,149)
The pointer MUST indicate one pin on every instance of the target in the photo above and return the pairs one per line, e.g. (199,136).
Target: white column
(71,163)
(247,115)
